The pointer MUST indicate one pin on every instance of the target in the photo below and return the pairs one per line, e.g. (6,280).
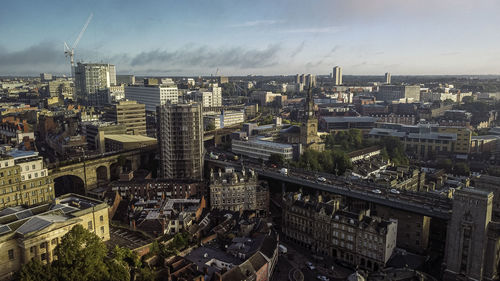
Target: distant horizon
(197,37)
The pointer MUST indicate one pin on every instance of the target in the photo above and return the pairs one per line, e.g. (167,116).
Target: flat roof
(269,143)
(129,138)
(342,119)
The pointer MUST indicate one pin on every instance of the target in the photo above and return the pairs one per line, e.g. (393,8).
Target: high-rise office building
(387,78)
(92,82)
(181,141)
(152,95)
(129,113)
(337,75)
(45,77)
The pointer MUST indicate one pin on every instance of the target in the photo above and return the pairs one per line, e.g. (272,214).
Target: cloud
(325,29)
(255,23)
(332,51)
(209,57)
(299,49)
(47,57)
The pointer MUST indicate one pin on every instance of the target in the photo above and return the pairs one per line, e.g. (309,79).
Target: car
(395,191)
(322,278)
(321,179)
(310,265)
(377,191)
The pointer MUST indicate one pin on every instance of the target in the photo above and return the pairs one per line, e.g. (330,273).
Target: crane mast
(70,51)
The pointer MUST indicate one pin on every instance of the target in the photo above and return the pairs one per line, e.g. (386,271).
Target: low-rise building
(225,119)
(347,122)
(127,142)
(258,148)
(326,229)
(238,191)
(34,233)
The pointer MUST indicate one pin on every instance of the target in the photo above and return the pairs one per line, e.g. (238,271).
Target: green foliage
(328,161)
(210,127)
(268,119)
(462,169)
(35,271)
(81,256)
(395,150)
(277,159)
(445,164)
(468,99)
(346,140)
(180,241)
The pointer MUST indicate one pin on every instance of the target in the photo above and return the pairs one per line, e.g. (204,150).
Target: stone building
(473,238)
(326,229)
(238,191)
(33,233)
(24,179)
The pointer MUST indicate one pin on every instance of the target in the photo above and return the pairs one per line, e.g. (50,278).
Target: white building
(261,149)
(210,98)
(337,75)
(227,118)
(30,164)
(153,95)
(92,82)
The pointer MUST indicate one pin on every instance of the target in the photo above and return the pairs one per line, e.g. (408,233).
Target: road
(417,202)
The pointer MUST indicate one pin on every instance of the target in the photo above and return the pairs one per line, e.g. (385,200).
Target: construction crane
(70,52)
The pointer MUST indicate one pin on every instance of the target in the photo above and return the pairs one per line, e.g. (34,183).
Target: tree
(210,126)
(462,169)
(277,159)
(35,271)
(81,256)
(468,99)
(445,164)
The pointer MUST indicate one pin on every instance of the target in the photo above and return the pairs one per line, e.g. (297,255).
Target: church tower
(309,128)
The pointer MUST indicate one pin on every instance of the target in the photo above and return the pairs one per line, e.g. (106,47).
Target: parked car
(310,265)
(395,191)
(377,191)
(321,179)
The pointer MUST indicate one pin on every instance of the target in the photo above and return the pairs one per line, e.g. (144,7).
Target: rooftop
(130,138)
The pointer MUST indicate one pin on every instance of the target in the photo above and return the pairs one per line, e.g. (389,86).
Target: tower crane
(70,52)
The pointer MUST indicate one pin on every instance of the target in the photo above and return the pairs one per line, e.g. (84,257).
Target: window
(11,254)
(90,225)
(54,241)
(102,229)
(101,218)
(43,256)
(42,246)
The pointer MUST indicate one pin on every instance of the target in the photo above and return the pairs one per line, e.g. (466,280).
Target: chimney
(133,224)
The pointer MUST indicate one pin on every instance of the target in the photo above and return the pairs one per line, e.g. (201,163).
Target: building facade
(34,233)
(261,149)
(152,95)
(473,238)
(326,229)
(24,179)
(389,93)
(337,75)
(238,191)
(226,118)
(131,114)
(181,141)
(92,83)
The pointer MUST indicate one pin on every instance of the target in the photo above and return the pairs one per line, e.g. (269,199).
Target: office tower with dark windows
(180,137)
(129,113)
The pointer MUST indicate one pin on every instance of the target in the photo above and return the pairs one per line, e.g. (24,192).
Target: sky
(259,37)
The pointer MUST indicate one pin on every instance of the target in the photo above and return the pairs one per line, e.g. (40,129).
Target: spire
(309,112)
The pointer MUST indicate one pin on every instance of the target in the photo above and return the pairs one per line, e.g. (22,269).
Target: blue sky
(195,37)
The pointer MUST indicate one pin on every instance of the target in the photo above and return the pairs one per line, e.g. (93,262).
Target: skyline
(281,37)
